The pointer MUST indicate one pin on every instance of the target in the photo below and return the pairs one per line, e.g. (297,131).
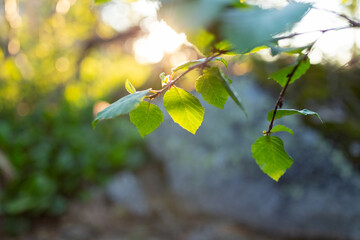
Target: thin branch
(172,82)
(279,102)
(352,22)
(314,31)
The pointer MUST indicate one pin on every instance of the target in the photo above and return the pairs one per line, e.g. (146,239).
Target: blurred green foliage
(57,60)
(57,153)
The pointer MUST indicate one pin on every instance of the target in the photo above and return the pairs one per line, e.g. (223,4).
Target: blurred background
(61,61)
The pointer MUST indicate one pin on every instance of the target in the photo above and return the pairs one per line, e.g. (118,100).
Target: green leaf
(211,87)
(162,76)
(231,91)
(222,60)
(281,76)
(224,46)
(275,50)
(146,117)
(122,106)
(285,112)
(249,28)
(186,65)
(270,155)
(202,40)
(129,87)
(282,128)
(101,1)
(164,79)
(184,109)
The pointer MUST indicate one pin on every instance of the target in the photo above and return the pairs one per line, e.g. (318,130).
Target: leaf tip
(129,87)
(94,123)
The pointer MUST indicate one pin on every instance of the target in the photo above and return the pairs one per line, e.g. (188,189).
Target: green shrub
(55,153)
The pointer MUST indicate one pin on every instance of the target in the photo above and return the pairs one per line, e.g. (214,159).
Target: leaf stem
(279,102)
(172,82)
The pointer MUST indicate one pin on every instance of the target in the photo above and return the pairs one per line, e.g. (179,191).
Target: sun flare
(161,39)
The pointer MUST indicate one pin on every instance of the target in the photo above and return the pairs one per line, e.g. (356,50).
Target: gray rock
(125,190)
(319,196)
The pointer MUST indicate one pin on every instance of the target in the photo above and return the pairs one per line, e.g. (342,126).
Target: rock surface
(318,197)
(125,190)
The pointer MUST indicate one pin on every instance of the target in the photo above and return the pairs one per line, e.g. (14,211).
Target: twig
(279,102)
(314,31)
(199,65)
(352,22)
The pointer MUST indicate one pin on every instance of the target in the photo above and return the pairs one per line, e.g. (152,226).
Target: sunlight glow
(63,6)
(161,39)
(121,15)
(12,13)
(334,46)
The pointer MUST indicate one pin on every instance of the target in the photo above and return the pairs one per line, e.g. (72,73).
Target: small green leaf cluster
(224,27)
(183,107)
(268,151)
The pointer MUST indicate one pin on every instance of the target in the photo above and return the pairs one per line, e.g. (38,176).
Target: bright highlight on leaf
(101,1)
(233,94)
(211,87)
(184,109)
(275,50)
(281,76)
(146,117)
(129,87)
(282,128)
(270,155)
(122,106)
(286,112)
(164,79)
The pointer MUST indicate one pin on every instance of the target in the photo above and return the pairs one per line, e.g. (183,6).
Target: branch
(279,102)
(172,82)
(352,22)
(314,31)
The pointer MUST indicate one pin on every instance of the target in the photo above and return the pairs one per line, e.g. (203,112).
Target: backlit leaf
(286,112)
(184,109)
(122,106)
(146,117)
(281,76)
(129,87)
(231,91)
(202,40)
(270,155)
(101,1)
(222,60)
(282,128)
(211,87)
(275,50)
